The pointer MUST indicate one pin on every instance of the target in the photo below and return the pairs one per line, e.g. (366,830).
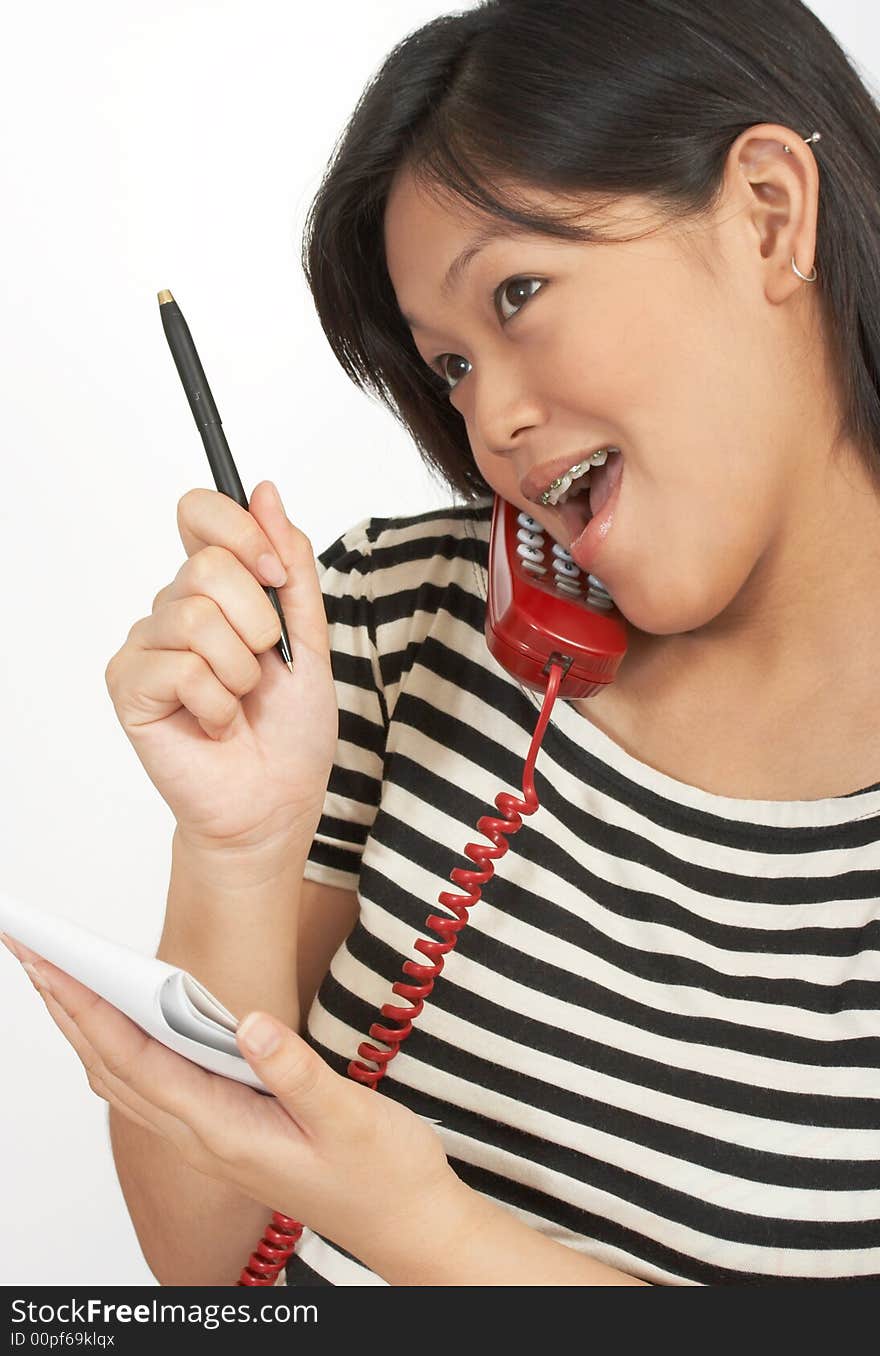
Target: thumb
(301,599)
(304,1084)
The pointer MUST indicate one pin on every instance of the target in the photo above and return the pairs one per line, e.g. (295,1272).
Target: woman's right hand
(238,747)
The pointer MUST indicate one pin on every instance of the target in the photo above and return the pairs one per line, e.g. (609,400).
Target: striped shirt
(657,1039)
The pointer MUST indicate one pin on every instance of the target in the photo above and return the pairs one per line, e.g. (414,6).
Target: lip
(536,482)
(586,548)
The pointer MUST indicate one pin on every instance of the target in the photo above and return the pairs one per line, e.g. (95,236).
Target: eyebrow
(461,262)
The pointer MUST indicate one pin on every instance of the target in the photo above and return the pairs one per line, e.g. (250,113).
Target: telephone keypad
(568,577)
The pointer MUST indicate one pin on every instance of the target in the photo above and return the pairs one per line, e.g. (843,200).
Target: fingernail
(7,942)
(37,978)
(260,1034)
(272,570)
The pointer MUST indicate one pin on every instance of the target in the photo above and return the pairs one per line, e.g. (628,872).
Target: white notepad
(165,1001)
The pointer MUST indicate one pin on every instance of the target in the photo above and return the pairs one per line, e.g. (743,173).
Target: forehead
(425,221)
(426,224)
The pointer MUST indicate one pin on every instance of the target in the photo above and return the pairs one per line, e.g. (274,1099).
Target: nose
(505,406)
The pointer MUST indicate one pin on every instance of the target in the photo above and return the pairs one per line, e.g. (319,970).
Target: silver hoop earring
(803,275)
(817,136)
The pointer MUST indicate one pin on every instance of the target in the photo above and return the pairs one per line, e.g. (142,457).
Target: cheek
(683,551)
(500,475)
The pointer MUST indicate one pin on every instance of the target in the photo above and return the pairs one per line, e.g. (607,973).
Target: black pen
(210,426)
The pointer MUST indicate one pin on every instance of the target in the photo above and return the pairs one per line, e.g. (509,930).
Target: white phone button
(561,552)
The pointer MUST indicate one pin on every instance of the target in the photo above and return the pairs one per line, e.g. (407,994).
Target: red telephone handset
(557,633)
(540,607)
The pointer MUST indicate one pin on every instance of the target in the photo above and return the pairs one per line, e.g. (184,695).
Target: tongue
(603,480)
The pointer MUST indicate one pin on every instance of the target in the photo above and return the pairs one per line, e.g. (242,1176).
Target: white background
(176,144)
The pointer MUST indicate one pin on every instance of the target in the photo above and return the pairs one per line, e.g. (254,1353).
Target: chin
(664,609)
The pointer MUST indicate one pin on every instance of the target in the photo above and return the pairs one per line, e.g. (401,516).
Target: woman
(653,1054)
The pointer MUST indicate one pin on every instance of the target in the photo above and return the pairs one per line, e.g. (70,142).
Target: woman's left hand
(332,1153)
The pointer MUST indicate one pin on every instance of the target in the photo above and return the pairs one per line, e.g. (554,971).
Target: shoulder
(440,546)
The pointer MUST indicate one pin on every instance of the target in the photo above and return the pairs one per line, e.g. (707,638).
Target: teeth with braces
(557,491)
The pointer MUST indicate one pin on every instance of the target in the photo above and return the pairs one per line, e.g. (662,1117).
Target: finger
(301,599)
(18,949)
(211,518)
(198,624)
(312,1094)
(104,1083)
(160,1078)
(208,587)
(158,672)
(95,1073)
(205,1116)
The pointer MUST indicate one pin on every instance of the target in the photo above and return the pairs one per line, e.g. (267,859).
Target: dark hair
(602,98)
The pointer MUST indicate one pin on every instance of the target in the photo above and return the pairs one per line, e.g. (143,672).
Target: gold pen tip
(164,296)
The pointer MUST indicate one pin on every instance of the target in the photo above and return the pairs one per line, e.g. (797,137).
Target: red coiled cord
(282,1235)
(273,1251)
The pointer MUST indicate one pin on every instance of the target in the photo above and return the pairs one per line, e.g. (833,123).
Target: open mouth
(589,495)
(576,512)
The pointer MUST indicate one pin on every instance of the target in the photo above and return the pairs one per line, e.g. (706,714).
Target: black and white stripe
(657,1039)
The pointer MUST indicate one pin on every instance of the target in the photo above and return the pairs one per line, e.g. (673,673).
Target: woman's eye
(501,293)
(514,283)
